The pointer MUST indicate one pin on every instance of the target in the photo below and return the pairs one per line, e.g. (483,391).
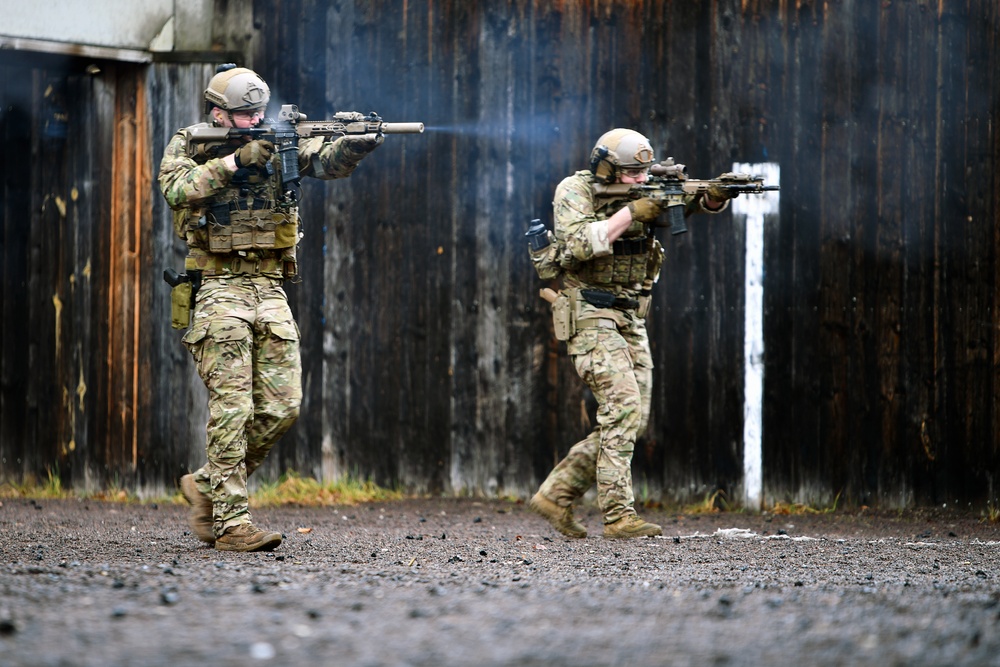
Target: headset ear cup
(605,172)
(600,166)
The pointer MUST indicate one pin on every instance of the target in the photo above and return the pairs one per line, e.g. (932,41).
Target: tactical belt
(596,323)
(629,246)
(601,299)
(229,265)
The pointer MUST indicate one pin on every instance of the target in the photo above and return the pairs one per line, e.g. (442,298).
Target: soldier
(608,258)
(241,231)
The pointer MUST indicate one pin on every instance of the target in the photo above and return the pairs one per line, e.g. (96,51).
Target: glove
(719,193)
(645,209)
(362,144)
(256,153)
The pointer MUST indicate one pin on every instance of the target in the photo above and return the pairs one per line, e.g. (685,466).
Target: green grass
(992,513)
(289,489)
(30,487)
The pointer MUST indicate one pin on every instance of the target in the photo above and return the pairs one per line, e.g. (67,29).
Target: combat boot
(200,518)
(560,517)
(631,526)
(247,537)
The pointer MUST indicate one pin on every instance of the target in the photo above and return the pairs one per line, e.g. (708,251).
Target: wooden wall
(429,361)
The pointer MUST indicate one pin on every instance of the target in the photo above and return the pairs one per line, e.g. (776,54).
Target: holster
(183,291)
(180,305)
(564,315)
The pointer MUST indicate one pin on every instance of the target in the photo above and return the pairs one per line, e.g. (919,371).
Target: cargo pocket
(583,342)
(193,338)
(195,334)
(284,331)
(615,343)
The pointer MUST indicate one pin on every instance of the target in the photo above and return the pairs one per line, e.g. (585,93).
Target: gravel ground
(464,582)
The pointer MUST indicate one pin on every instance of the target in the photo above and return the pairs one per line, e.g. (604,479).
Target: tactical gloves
(256,153)
(645,209)
(718,192)
(362,144)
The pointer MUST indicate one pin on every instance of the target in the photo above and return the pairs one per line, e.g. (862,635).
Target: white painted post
(754,207)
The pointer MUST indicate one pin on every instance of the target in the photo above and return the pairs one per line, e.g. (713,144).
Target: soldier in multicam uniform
(608,258)
(241,231)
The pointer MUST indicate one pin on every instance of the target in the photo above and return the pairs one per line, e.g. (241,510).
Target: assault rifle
(291,126)
(668,182)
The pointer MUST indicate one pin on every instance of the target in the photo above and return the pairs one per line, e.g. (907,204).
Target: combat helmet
(236,89)
(619,149)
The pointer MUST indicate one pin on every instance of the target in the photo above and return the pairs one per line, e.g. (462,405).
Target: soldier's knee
(292,411)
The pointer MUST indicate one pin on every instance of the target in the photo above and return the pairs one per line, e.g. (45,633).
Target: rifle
(293,125)
(668,182)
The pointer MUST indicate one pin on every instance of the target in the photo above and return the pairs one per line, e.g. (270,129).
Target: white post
(754,207)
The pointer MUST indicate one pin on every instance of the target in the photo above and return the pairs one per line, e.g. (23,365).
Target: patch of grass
(291,489)
(115,493)
(713,503)
(801,508)
(992,513)
(30,487)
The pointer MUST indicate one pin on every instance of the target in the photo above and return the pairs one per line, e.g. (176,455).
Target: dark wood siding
(429,361)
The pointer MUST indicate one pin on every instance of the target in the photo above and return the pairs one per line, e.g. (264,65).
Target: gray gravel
(464,582)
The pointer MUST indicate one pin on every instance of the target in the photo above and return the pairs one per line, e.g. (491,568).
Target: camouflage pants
(618,368)
(246,345)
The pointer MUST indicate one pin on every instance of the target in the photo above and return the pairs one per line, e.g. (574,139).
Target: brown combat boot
(200,518)
(247,537)
(560,517)
(631,526)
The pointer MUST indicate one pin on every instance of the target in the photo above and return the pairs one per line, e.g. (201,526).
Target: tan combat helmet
(236,89)
(619,149)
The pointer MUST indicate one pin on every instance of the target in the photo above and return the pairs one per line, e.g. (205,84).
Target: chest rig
(628,262)
(248,228)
